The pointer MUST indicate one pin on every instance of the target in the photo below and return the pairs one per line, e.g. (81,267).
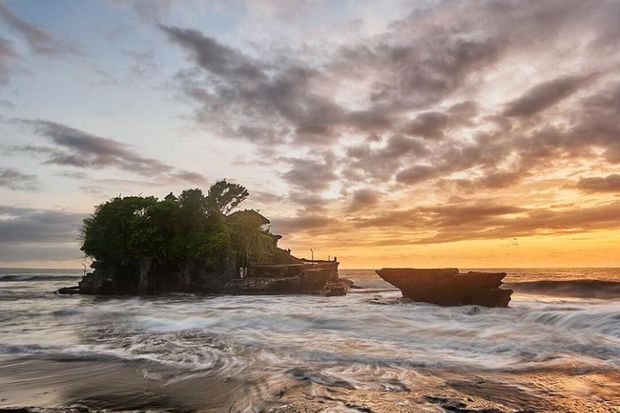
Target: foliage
(224,197)
(191,225)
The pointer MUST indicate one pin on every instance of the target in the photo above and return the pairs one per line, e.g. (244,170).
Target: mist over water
(259,346)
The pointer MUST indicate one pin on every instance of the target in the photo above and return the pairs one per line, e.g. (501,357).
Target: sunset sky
(387,133)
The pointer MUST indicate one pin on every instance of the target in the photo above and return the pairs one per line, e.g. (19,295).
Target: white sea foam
(340,341)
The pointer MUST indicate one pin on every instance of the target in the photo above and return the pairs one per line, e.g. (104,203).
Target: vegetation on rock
(190,226)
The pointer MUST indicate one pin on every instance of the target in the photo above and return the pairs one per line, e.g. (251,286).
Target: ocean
(556,349)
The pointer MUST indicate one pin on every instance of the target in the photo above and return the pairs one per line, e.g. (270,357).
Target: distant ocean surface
(557,348)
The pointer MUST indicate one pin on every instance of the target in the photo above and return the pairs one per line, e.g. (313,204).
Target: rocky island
(449,287)
(194,243)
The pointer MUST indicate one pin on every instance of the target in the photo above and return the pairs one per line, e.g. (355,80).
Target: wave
(569,288)
(36,277)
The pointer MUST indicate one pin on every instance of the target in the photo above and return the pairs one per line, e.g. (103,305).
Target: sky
(473,134)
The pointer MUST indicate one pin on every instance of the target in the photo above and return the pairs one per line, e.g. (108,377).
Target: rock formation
(194,243)
(301,277)
(448,287)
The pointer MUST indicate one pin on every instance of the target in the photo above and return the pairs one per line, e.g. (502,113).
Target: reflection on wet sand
(138,385)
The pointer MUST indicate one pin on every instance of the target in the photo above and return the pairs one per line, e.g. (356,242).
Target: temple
(259,267)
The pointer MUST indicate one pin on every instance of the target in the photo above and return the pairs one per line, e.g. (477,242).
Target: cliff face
(149,276)
(194,276)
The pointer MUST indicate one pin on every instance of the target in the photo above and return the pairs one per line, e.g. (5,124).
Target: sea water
(239,352)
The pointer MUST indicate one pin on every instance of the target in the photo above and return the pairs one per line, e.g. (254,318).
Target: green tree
(119,229)
(224,197)
(188,226)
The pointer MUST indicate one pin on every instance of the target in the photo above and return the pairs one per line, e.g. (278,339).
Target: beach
(369,351)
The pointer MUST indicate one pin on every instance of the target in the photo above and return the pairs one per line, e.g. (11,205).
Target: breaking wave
(569,288)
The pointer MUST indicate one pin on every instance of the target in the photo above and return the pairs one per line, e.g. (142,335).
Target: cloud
(380,163)
(13,179)
(610,183)
(430,125)
(37,252)
(215,57)
(310,174)
(7,56)
(188,176)
(415,95)
(300,223)
(309,201)
(419,110)
(416,174)
(544,95)
(28,225)
(73,174)
(84,150)
(363,199)
(265,197)
(456,222)
(38,40)
(148,10)
(265,101)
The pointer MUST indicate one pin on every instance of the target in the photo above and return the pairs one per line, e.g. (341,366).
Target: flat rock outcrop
(449,287)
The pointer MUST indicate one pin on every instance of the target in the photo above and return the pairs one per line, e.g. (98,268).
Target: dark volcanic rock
(446,286)
(308,278)
(151,277)
(69,290)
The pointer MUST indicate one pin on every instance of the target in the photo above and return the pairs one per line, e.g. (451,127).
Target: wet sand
(68,385)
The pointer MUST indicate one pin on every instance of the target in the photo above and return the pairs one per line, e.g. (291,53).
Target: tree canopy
(192,225)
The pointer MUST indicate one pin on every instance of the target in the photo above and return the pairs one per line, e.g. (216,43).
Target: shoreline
(117,387)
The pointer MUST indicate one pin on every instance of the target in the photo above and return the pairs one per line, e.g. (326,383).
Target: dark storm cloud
(610,183)
(545,95)
(19,225)
(84,150)
(38,40)
(13,179)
